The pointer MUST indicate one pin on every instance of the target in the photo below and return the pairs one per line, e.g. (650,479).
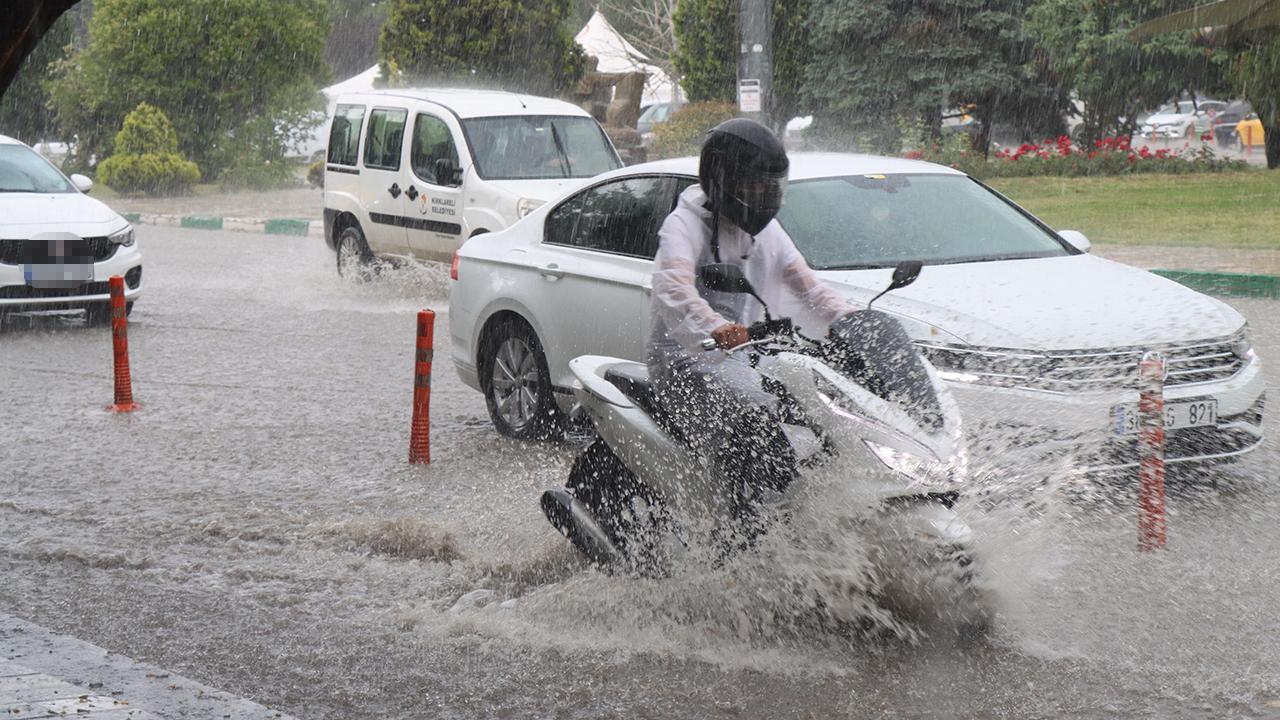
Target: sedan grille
(1076,371)
(18,252)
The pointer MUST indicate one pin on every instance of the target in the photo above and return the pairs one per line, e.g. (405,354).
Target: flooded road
(256,527)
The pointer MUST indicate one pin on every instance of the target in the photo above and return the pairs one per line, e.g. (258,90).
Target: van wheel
(517,384)
(355,260)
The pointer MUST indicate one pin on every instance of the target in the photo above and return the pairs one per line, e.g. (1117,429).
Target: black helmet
(743,171)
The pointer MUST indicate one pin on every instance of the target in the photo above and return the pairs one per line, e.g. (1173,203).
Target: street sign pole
(755,58)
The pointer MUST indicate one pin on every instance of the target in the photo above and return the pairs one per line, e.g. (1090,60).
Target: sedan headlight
(527,205)
(123,237)
(1242,346)
(919,470)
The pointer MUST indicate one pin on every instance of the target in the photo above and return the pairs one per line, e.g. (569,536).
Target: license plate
(58,275)
(1125,419)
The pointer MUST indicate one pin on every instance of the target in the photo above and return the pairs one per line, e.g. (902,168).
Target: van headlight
(524,206)
(919,470)
(123,237)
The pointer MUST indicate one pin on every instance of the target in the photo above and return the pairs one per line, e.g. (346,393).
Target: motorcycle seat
(633,380)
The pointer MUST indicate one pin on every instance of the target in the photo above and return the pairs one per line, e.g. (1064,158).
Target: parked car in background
(652,116)
(413,173)
(58,246)
(1038,338)
(1249,132)
(1224,123)
(1182,119)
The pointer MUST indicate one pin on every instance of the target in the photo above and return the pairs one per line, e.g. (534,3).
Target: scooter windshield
(874,350)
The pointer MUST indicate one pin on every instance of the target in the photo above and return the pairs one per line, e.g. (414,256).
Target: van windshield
(539,146)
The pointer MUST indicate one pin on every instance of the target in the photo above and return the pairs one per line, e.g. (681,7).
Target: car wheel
(517,382)
(355,260)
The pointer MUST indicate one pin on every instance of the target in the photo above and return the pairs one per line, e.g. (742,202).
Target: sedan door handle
(551,272)
(394,190)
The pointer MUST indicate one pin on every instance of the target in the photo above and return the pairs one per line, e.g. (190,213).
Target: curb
(1226,284)
(296,227)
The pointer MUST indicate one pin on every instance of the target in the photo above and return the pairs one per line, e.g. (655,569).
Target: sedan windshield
(539,146)
(871,221)
(22,170)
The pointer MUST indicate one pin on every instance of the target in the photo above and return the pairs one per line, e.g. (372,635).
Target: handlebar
(759,333)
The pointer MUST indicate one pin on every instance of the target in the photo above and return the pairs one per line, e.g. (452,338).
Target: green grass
(1237,209)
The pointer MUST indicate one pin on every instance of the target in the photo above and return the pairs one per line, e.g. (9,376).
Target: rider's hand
(730,335)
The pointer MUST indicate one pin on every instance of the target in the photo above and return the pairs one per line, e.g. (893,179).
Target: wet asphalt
(256,526)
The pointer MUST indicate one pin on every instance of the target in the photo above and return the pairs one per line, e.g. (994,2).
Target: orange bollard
(420,432)
(120,346)
(1151,522)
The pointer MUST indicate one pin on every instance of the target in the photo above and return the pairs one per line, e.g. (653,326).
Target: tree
(24,109)
(1255,73)
(877,63)
(228,73)
(1089,45)
(520,45)
(706,56)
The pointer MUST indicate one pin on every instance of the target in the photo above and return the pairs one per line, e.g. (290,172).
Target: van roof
(470,103)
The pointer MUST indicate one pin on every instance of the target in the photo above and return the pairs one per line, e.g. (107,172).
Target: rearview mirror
(905,273)
(1076,239)
(447,173)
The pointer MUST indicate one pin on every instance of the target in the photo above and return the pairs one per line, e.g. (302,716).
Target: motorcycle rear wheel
(627,510)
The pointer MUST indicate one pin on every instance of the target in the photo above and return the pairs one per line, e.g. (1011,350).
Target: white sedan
(1039,339)
(58,246)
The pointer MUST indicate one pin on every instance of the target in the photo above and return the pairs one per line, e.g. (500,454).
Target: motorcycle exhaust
(576,522)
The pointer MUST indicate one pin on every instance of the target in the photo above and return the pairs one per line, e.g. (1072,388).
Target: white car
(413,173)
(1039,339)
(58,246)
(1182,119)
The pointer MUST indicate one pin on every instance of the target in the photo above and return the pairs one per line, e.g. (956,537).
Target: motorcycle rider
(716,399)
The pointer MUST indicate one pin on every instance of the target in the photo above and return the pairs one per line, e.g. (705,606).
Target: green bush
(148,174)
(683,134)
(315,174)
(146,159)
(249,173)
(146,130)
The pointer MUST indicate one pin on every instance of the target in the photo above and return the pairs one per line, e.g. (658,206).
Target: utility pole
(755,58)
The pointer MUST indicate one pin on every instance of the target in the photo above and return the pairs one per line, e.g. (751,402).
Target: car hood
(542,190)
(1167,118)
(1059,303)
(25,214)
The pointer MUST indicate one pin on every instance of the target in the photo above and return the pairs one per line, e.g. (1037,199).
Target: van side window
(344,134)
(386,136)
(432,141)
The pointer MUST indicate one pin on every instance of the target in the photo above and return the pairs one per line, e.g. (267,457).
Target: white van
(414,173)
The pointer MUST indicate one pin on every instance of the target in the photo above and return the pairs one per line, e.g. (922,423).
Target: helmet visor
(762,192)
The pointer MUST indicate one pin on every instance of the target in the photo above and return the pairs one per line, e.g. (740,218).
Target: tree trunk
(1272,140)
(980,141)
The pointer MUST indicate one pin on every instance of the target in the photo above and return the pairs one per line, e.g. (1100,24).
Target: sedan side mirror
(82,183)
(1076,238)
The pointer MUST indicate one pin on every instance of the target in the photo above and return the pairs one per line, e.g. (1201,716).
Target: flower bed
(1062,157)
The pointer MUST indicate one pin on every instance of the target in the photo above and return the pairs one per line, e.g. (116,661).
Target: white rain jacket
(683,312)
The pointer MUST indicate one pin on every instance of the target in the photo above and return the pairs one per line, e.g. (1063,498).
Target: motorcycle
(863,401)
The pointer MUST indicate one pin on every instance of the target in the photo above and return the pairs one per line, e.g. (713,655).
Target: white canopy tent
(616,55)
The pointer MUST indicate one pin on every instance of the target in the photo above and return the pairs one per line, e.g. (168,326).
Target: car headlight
(1243,344)
(922,471)
(527,205)
(123,237)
